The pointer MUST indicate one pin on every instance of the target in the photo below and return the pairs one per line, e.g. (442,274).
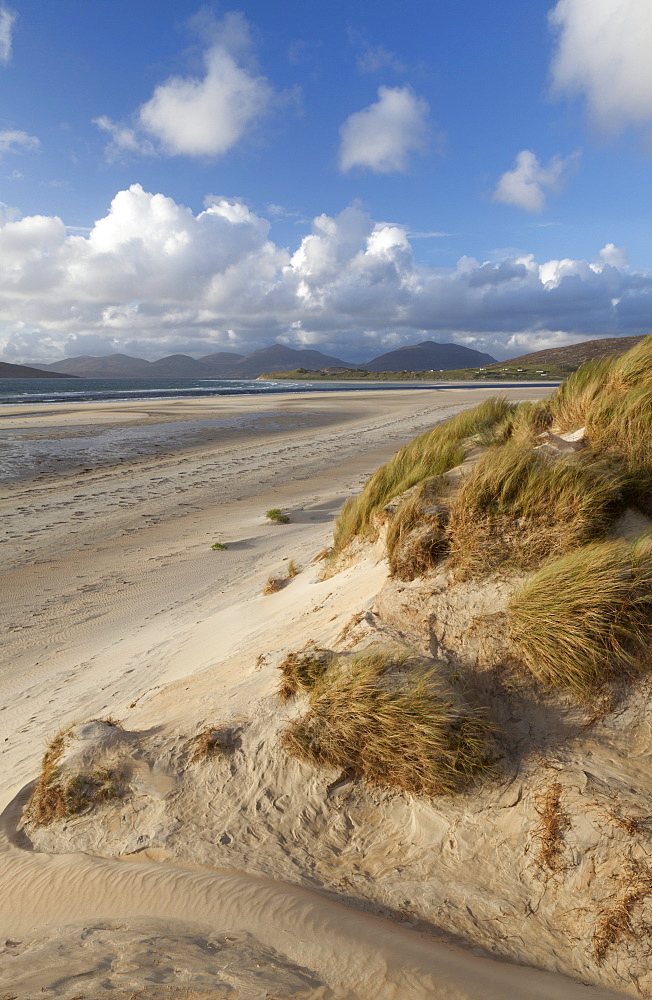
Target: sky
(187,178)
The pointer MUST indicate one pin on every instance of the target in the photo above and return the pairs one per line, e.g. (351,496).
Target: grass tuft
(301,671)
(211,742)
(384,719)
(585,618)
(219,546)
(273,585)
(426,457)
(416,535)
(277,515)
(518,507)
(55,798)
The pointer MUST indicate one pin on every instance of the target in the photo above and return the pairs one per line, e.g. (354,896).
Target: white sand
(114,604)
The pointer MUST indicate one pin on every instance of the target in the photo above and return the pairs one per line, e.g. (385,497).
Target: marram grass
(587,617)
(427,456)
(518,507)
(379,718)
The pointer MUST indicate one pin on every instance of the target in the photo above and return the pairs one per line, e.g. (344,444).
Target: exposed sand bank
(116,605)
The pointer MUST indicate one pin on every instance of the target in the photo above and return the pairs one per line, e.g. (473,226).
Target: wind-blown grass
(301,671)
(57,797)
(416,538)
(585,618)
(519,507)
(426,457)
(612,399)
(391,723)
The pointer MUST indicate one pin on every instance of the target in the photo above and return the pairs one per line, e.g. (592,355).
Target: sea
(90,390)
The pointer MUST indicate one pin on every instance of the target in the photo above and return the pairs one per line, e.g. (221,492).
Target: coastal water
(78,390)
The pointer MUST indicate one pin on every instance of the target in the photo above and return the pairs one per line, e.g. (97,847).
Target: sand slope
(168,648)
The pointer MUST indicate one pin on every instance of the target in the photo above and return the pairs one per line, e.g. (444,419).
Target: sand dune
(116,603)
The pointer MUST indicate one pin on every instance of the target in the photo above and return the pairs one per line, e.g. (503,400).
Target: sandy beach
(115,605)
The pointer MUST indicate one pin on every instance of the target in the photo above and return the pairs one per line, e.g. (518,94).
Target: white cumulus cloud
(382,136)
(12,140)
(7,19)
(529,182)
(603,53)
(152,277)
(202,116)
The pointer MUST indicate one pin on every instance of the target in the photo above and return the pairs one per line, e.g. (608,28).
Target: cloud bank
(527,185)
(382,136)
(153,278)
(201,116)
(603,53)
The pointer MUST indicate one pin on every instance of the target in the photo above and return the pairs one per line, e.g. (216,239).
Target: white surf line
(348,949)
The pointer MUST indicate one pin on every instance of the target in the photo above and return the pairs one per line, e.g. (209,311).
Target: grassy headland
(504,372)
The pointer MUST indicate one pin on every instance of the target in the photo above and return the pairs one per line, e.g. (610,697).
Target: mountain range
(225,364)
(427,356)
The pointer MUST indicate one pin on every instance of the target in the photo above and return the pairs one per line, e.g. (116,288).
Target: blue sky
(177,177)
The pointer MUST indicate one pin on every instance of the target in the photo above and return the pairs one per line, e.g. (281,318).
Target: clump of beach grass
(276,582)
(211,742)
(218,546)
(57,797)
(301,671)
(519,507)
(276,515)
(612,399)
(585,618)
(416,537)
(382,718)
(426,457)
(273,585)
(522,425)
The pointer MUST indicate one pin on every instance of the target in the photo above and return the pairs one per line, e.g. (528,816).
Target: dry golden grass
(519,507)
(426,457)
(550,832)
(586,617)
(507,507)
(293,569)
(387,720)
(612,398)
(416,540)
(523,425)
(301,671)
(615,921)
(55,798)
(273,585)
(47,803)
(211,742)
